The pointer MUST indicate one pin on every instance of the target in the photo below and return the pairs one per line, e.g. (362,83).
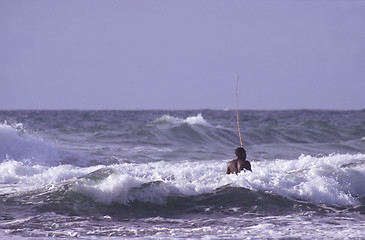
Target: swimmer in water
(240,163)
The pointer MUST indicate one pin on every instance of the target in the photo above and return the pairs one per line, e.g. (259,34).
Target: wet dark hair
(240,153)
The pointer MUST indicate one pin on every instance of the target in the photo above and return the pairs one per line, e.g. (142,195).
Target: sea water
(161,175)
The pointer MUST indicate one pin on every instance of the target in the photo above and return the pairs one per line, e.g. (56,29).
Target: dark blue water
(161,174)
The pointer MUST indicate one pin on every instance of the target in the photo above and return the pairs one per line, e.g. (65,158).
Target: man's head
(240,153)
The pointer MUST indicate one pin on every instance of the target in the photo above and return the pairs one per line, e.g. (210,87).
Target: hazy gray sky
(187,54)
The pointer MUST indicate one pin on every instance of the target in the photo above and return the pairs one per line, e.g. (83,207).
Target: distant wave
(197,130)
(191,130)
(192,120)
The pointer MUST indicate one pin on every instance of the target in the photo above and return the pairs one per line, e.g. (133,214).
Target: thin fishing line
(238,121)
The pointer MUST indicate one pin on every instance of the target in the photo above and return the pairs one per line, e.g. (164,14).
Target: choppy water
(161,174)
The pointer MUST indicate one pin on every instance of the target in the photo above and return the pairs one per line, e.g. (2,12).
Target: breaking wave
(20,146)
(274,186)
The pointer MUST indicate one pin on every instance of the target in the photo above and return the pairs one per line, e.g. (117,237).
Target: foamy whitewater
(161,175)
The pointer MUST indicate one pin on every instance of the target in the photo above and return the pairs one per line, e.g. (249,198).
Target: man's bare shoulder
(232,161)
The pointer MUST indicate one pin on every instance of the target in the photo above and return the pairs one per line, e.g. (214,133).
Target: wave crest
(192,120)
(191,130)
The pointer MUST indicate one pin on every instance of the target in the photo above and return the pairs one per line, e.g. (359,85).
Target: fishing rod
(238,122)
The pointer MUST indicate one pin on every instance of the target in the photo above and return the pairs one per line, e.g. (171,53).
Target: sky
(186,54)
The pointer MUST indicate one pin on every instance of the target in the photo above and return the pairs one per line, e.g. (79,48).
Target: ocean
(161,175)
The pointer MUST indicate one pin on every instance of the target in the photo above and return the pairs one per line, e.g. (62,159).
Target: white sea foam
(192,120)
(17,176)
(313,179)
(334,179)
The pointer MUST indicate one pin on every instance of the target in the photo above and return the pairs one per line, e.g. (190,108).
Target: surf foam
(313,179)
(19,177)
(192,120)
(334,179)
